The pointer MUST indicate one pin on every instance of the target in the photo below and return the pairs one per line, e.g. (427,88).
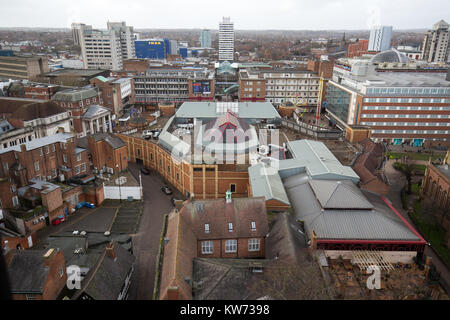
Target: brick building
(40,91)
(232,228)
(76,102)
(116,93)
(136,66)
(252,86)
(436,184)
(357,49)
(108,152)
(36,274)
(46,159)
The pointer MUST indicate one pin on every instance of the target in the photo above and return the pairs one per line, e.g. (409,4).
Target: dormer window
(206,227)
(230,227)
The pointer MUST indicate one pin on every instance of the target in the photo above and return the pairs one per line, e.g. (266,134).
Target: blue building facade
(151,49)
(184,52)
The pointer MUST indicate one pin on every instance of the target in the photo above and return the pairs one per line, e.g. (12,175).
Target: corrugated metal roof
(380,223)
(339,195)
(266,182)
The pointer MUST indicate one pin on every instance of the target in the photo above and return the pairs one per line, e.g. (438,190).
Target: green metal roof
(266,182)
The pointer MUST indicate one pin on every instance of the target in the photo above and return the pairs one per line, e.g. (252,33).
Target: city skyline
(285,15)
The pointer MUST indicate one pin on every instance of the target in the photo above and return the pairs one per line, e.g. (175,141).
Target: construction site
(349,279)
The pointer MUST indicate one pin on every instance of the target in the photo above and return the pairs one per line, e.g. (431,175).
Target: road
(397,180)
(146,240)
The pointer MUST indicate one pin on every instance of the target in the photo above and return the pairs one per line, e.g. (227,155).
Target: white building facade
(380,38)
(226,40)
(435,44)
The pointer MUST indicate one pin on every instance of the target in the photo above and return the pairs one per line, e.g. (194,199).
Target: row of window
(409,91)
(416,124)
(412,131)
(429,108)
(405,100)
(411,116)
(230,246)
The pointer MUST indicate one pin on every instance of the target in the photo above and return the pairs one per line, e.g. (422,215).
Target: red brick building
(210,229)
(36,274)
(116,93)
(436,184)
(357,49)
(108,152)
(47,158)
(40,91)
(76,102)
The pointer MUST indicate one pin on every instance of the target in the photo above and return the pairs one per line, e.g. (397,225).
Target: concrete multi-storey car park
(399,107)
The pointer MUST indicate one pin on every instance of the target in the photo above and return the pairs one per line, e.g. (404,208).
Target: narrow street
(146,240)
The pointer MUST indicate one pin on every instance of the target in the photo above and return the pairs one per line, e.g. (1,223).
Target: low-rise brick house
(108,152)
(219,228)
(36,274)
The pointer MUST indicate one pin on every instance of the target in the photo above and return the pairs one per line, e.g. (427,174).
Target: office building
(23,68)
(116,93)
(357,49)
(226,40)
(399,104)
(126,38)
(380,38)
(105,49)
(205,38)
(435,44)
(174,85)
(76,27)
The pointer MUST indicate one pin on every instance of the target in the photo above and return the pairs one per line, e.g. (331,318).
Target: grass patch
(414,155)
(415,188)
(419,169)
(433,231)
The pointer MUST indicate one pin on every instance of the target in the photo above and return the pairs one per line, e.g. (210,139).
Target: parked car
(166,190)
(89,205)
(145,171)
(58,220)
(156,134)
(147,134)
(173,200)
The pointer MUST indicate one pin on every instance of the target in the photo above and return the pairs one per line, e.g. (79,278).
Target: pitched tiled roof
(33,111)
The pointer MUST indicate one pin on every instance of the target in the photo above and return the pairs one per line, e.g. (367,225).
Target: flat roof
(37,143)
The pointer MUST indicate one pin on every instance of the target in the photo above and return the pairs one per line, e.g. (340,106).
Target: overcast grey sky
(246,14)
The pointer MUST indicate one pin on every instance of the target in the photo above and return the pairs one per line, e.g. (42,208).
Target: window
(15,201)
(206,227)
(40,152)
(253,225)
(232,187)
(64,158)
(13,189)
(36,166)
(30,297)
(207,247)
(230,246)
(230,227)
(253,245)
(83,167)
(79,156)
(77,170)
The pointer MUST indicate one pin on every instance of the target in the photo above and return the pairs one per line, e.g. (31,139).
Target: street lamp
(118,180)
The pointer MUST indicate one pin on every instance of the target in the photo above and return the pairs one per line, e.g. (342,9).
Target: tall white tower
(226,40)
(435,46)
(380,38)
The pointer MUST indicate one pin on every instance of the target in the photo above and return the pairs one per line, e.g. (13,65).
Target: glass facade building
(338,102)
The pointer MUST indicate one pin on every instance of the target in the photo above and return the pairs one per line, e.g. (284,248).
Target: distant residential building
(205,38)
(399,105)
(357,49)
(36,274)
(435,46)
(116,93)
(380,38)
(27,68)
(226,40)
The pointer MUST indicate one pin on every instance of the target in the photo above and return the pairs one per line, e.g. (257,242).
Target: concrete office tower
(435,44)
(380,38)
(226,40)
(126,35)
(205,39)
(76,27)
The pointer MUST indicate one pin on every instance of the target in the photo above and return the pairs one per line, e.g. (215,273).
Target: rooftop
(37,143)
